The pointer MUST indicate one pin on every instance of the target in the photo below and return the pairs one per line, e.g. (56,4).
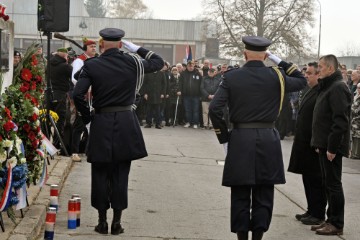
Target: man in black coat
(254,94)
(331,138)
(115,135)
(154,93)
(304,160)
(190,80)
(60,77)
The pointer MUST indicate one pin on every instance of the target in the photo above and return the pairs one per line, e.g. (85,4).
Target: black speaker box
(53,15)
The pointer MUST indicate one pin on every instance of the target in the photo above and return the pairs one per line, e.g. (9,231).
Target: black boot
(116,228)
(242,235)
(257,235)
(102,226)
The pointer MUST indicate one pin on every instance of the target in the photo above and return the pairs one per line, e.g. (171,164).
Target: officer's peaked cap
(255,43)
(112,34)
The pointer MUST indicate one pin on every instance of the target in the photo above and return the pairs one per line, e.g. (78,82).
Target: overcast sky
(340,21)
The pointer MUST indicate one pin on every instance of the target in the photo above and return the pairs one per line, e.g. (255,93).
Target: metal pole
(318,55)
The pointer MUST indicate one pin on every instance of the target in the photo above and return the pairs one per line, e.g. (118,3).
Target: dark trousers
(251,208)
(109,185)
(58,105)
(191,105)
(331,175)
(153,110)
(78,129)
(315,195)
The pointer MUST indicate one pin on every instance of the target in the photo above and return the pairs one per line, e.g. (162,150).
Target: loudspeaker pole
(50,98)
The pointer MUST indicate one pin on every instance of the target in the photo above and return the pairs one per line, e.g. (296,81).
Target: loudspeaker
(53,15)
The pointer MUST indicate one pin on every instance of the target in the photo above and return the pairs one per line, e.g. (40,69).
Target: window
(4,54)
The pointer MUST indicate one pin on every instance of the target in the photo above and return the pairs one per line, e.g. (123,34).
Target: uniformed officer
(115,135)
(253,164)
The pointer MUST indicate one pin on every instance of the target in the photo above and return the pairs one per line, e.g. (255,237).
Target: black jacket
(115,136)
(60,74)
(190,83)
(304,159)
(331,119)
(208,86)
(155,86)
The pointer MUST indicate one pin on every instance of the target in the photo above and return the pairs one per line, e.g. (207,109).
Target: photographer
(60,76)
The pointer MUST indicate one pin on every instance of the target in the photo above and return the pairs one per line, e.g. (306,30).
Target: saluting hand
(130,46)
(275,59)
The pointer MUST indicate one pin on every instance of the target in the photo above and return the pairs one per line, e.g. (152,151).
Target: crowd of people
(247,100)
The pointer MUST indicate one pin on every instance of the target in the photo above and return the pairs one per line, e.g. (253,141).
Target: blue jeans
(192,106)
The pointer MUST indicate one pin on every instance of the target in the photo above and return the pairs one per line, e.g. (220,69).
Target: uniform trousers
(109,185)
(259,199)
(331,176)
(315,195)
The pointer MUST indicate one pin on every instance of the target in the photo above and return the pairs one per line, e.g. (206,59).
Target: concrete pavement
(176,193)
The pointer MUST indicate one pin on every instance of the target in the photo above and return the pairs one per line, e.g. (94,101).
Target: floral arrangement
(22,98)
(13,167)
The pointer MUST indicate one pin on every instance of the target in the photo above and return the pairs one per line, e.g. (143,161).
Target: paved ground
(176,193)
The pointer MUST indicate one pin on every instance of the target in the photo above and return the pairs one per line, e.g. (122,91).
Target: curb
(30,226)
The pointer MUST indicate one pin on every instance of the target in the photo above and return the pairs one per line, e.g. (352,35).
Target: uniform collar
(254,64)
(111,51)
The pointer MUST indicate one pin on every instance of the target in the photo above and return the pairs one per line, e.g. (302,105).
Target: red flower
(26,127)
(34,117)
(38,78)
(26,74)
(24,87)
(33,85)
(27,96)
(1,138)
(34,60)
(35,143)
(32,136)
(8,113)
(35,102)
(8,126)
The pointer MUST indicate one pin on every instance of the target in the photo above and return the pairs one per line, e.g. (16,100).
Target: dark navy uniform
(254,160)
(115,135)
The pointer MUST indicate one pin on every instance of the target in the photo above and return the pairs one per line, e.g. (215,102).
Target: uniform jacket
(114,136)
(208,86)
(304,159)
(60,74)
(190,83)
(154,86)
(331,119)
(253,95)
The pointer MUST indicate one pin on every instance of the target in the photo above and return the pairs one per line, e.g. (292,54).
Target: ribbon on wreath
(21,195)
(44,174)
(7,190)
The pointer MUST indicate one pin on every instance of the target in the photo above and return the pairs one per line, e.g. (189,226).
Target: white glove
(225,145)
(130,46)
(275,59)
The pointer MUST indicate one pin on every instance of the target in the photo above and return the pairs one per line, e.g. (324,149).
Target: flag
(188,53)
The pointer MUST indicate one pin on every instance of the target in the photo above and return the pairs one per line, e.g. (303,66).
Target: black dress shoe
(310,220)
(158,126)
(102,228)
(116,228)
(300,216)
(147,126)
